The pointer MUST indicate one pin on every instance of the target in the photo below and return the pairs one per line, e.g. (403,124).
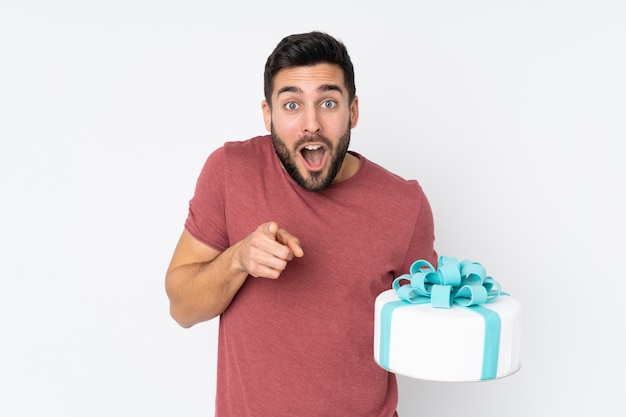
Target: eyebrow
(321,89)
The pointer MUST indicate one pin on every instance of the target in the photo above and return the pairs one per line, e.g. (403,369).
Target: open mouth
(314,156)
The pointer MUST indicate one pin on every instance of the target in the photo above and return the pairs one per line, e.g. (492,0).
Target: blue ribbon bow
(464,283)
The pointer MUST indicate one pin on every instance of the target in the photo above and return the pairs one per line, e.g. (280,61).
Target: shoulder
(387,192)
(250,156)
(258,145)
(382,178)
(250,153)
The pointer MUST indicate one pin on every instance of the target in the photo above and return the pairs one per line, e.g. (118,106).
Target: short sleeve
(206,219)
(422,242)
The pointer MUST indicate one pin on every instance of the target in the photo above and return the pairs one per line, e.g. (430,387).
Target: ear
(267,115)
(354,112)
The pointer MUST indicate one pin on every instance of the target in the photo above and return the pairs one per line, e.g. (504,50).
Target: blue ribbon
(463,283)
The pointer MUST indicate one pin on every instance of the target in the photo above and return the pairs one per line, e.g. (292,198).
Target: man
(289,239)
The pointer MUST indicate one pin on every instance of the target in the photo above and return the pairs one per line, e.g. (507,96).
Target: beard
(312,180)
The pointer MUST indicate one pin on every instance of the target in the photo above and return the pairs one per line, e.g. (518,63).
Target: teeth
(312,147)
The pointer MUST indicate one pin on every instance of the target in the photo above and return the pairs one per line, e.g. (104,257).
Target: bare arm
(201,282)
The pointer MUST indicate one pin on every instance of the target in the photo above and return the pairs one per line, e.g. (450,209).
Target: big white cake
(451,323)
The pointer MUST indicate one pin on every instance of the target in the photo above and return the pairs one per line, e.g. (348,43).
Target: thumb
(272,228)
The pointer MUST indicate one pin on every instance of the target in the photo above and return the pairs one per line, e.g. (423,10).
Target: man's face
(310,121)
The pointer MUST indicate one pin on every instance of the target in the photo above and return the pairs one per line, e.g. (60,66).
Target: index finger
(292,242)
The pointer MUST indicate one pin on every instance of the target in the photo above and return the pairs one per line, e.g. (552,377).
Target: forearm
(201,282)
(202,291)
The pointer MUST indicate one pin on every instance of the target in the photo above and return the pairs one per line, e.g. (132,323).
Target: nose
(311,122)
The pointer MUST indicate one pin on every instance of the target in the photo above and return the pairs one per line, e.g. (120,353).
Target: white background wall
(511,114)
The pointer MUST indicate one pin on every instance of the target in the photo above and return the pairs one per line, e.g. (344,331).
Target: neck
(349,167)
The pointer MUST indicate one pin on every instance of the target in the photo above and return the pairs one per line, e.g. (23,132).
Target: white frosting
(442,344)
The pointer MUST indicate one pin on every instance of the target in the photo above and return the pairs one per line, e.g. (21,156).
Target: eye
(291,106)
(329,104)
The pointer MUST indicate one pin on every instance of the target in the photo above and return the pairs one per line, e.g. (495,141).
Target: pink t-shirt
(302,345)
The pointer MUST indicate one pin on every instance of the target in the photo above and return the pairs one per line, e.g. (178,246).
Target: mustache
(313,138)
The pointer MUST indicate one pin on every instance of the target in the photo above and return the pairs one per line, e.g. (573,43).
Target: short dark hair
(308,49)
